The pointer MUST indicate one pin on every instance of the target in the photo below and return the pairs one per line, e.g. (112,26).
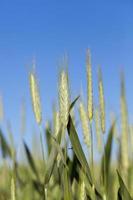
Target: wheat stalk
(82,195)
(13,189)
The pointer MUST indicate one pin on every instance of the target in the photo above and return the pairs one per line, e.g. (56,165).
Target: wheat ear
(101,102)
(89,86)
(85,124)
(64,102)
(35,96)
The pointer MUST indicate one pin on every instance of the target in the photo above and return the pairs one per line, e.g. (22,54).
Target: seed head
(35,96)
(89,86)
(85,124)
(64,98)
(101,102)
(56,123)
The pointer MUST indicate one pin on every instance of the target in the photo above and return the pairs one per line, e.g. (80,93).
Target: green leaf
(54,152)
(80,154)
(73,103)
(66,183)
(6,151)
(78,149)
(30,160)
(74,168)
(119,197)
(38,187)
(123,191)
(52,159)
(106,159)
(48,138)
(59,149)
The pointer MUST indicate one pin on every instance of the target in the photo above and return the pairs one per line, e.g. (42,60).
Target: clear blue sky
(48,29)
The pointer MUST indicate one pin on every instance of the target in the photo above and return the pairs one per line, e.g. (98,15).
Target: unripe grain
(64,98)
(35,96)
(89,87)
(56,123)
(101,102)
(85,124)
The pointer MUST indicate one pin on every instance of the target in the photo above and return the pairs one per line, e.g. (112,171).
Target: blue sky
(46,30)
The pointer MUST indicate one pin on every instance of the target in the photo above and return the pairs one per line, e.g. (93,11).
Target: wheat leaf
(123,191)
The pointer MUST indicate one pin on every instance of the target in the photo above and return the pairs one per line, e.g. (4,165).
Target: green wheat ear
(89,86)
(101,101)
(85,124)
(35,96)
(56,124)
(64,101)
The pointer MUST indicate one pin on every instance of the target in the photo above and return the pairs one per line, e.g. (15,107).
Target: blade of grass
(80,154)
(57,146)
(6,151)
(73,103)
(52,160)
(123,191)
(67,191)
(30,160)
(106,159)
(78,149)
(54,152)
(48,138)
(119,197)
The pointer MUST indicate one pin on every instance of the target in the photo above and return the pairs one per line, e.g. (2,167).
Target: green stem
(92,161)
(41,140)
(43,156)
(104,166)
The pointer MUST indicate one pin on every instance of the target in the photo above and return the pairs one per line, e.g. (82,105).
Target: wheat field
(76,161)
